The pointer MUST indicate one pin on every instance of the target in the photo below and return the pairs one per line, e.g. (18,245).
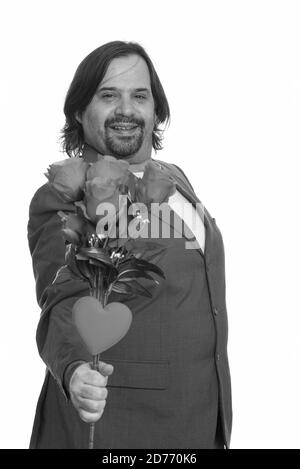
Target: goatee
(124,145)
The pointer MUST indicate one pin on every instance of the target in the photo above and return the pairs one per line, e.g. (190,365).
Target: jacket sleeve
(58,342)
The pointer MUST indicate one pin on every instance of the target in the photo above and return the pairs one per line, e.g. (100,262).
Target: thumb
(105,368)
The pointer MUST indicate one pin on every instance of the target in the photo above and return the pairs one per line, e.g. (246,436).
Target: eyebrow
(113,88)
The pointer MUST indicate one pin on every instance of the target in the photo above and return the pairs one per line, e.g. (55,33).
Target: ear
(78,117)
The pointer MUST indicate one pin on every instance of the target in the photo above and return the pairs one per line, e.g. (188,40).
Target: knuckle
(102,404)
(96,379)
(97,416)
(90,418)
(85,392)
(85,416)
(90,405)
(95,406)
(103,380)
(103,393)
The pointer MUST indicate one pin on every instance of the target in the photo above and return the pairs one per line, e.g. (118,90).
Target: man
(166,384)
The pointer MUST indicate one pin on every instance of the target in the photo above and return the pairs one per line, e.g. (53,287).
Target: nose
(124,107)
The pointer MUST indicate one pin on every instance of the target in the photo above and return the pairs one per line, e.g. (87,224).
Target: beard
(124,145)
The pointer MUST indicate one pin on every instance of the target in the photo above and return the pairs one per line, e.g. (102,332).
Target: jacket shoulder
(173,168)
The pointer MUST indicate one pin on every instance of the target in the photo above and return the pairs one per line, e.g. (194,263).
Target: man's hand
(88,390)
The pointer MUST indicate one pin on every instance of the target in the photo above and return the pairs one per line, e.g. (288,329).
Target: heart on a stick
(100,327)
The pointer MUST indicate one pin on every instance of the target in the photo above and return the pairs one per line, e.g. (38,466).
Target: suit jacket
(59,344)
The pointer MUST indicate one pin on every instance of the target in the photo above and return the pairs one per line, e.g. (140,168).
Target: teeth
(118,127)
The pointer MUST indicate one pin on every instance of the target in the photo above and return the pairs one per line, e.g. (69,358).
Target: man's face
(119,120)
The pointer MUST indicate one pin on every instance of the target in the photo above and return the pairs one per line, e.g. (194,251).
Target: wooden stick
(92,425)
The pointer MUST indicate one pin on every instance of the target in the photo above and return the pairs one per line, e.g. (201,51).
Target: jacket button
(216,312)
(218,357)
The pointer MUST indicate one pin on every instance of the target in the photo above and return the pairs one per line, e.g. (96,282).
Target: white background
(231,73)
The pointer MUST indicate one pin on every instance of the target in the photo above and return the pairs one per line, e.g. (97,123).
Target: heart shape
(100,328)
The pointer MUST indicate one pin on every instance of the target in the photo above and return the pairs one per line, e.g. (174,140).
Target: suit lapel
(185,190)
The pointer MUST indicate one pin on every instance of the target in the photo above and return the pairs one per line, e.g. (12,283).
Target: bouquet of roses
(99,249)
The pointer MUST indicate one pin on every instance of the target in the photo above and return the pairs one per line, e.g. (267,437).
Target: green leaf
(85,270)
(70,258)
(121,288)
(134,273)
(140,264)
(139,289)
(81,257)
(99,254)
(64,274)
(99,264)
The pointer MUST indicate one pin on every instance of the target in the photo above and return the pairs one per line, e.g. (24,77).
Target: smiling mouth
(123,128)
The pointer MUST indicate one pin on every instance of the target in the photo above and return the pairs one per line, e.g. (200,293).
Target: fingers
(91,417)
(81,390)
(90,406)
(94,378)
(93,392)
(88,418)
(91,410)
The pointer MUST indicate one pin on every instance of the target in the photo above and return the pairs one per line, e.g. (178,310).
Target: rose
(100,190)
(109,168)
(67,177)
(154,186)
(107,179)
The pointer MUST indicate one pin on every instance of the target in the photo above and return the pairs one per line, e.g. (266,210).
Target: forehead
(127,71)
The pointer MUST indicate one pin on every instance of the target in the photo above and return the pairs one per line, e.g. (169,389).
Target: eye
(140,96)
(107,95)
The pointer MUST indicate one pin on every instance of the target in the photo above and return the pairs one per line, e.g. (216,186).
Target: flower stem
(100,286)
(97,290)
(105,242)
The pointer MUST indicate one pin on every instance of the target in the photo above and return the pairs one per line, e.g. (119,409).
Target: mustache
(124,120)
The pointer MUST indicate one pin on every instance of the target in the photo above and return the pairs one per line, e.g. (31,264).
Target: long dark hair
(88,75)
